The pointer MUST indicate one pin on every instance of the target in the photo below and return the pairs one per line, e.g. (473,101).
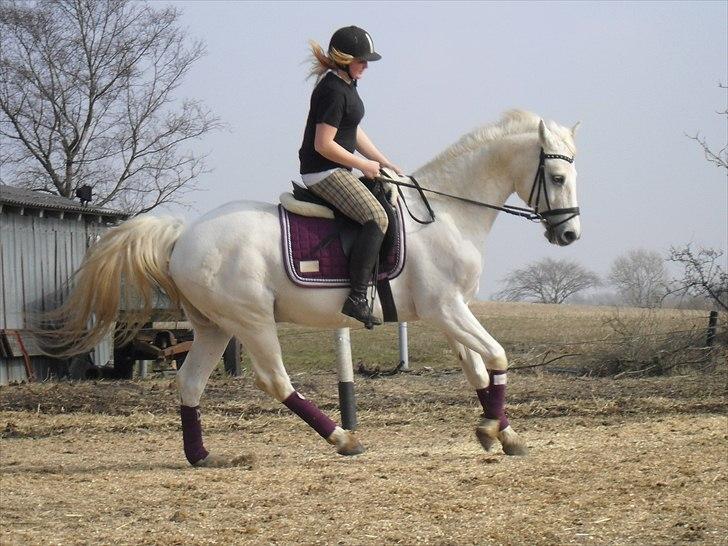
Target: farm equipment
(163,344)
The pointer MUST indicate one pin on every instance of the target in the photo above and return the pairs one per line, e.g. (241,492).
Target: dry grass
(627,461)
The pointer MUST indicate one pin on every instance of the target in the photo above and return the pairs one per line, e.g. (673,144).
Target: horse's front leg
(485,364)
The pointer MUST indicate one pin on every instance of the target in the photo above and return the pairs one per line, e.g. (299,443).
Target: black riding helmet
(356,42)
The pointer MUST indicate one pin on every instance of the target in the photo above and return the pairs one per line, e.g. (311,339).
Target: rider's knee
(380,217)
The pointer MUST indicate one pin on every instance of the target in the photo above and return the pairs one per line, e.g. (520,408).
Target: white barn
(43,239)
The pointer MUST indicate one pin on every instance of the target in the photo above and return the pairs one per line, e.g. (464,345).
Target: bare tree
(547,281)
(640,278)
(86,98)
(720,157)
(703,276)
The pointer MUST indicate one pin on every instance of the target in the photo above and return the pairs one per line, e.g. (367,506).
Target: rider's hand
(396,169)
(370,168)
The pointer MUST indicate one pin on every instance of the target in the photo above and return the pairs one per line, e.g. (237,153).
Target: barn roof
(21,197)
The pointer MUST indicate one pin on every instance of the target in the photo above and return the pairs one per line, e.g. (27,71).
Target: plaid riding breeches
(349,194)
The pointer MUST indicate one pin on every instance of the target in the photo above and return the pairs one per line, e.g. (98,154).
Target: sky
(640,76)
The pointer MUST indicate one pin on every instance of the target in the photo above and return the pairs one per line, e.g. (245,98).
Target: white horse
(226,269)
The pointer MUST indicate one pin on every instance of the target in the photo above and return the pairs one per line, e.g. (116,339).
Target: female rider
(327,157)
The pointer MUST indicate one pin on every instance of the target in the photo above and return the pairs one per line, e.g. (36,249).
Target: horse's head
(552,191)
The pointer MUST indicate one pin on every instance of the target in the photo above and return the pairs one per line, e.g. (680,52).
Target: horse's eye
(558,179)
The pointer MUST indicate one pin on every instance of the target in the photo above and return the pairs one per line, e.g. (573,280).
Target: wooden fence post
(712,323)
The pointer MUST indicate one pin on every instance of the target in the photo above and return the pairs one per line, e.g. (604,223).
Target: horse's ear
(543,133)
(574,128)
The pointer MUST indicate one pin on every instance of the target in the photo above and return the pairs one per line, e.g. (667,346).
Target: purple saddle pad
(314,258)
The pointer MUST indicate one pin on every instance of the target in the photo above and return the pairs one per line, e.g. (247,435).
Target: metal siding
(63,258)
(40,237)
(48,368)
(49,257)
(3,244)
(78,246)
(12,370)
(58,259)
(31,283)
(6,234)
(78,236)
(38,255)
(13,284)
(103,352)
(29,267)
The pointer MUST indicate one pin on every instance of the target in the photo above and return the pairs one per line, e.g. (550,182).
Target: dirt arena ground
(629,461)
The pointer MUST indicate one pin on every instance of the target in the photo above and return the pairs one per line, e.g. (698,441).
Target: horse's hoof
(518,449)
(346,443)
(212,461)
(216,461)
(356,449)
(512,443)
(487,432)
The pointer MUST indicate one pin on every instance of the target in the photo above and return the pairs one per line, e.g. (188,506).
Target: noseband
(539,184)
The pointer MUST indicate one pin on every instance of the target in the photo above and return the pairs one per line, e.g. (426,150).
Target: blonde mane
(513,122)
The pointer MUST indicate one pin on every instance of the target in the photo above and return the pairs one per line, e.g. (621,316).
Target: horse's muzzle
(561,237)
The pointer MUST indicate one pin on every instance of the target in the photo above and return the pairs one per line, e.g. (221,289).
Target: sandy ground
(612,462)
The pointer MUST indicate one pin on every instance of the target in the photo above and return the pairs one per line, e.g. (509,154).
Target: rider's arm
(325,145)
(366,147)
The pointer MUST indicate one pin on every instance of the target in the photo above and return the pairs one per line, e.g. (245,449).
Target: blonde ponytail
(322,63)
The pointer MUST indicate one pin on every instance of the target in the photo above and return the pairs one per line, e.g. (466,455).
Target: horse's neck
(488,176)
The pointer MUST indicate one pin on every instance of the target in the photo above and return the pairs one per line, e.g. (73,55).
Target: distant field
(520,327)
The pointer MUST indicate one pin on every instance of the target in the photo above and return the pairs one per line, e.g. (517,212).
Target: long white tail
(132,259)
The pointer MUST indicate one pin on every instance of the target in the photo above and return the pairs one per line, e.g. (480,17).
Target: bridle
(539,184)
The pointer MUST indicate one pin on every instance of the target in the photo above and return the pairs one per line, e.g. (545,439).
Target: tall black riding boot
(364,256)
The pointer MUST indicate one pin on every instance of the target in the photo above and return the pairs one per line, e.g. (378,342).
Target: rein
(539,182)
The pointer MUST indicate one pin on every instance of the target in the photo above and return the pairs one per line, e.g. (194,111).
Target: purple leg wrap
(192,434)
(308,411)
(493,398)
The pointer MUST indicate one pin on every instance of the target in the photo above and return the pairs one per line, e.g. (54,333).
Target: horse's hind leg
(261,342)
(203,357)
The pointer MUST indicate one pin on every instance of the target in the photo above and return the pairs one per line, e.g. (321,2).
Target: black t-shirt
(338,104)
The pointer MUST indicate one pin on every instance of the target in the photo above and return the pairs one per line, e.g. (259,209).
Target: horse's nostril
(569,236)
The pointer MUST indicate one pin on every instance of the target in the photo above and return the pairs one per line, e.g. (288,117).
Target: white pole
(403,351)
(345,368)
